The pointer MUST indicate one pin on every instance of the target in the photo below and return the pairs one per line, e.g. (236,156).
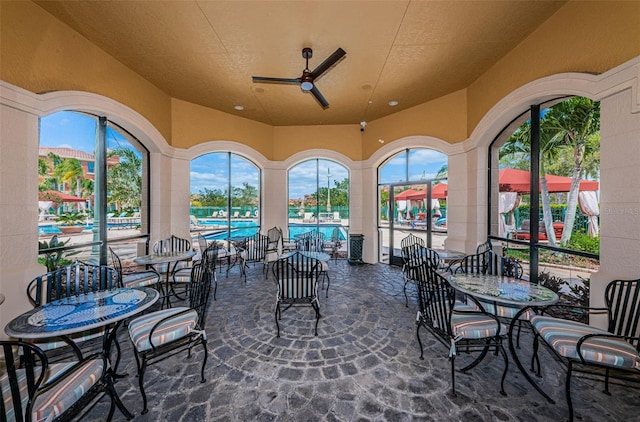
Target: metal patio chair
(611,353)
(164,333)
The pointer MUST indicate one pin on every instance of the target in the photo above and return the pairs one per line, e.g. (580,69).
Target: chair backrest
(199,290)
(210,257)
(436,299)
(25,367)
(484,247)
(255,248)
(172,244)
(413,254)
(117,264)
(504,266)
(335,235)
(411,240)
(72,280)
(623,300)
(297,276)
(312,241)
(202,243)
(433,258)
(275,237)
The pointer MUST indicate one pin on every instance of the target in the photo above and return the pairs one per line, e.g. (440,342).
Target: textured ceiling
(205,52)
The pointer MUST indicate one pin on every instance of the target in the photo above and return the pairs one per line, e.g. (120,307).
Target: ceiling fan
(308,77)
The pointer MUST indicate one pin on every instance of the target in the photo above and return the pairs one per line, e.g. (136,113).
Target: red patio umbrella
(65,196)
(513,180)
(403,196)
(438,191)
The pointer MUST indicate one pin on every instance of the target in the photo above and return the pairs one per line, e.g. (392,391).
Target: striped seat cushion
(140,279)
(55,342)
(501,310)
(55,401)
(183,275)
(173,329)
(563,336)
(471,326)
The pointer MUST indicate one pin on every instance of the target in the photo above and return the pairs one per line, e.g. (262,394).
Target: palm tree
(69,171)
(124,180)
(573,123)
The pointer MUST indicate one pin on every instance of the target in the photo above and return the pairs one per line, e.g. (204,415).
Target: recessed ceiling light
(393,103)
(381,141)
(239,107)
(370,101)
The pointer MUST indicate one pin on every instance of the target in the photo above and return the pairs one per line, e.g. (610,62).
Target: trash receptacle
(356,242)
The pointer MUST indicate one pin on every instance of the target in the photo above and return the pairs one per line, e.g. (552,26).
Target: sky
(77,131)
(67,129)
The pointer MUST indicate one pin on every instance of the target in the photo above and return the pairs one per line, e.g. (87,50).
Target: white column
(619,199)
(18,209)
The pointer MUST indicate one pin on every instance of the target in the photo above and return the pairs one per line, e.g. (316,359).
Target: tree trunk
(546,212)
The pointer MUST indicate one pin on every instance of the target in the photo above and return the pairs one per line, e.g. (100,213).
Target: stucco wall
(41,54)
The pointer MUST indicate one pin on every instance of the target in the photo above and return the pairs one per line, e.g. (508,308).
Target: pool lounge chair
(214,214)
(236,214)
(195,223)
(247,214)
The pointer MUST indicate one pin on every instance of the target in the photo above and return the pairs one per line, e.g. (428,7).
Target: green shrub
(581,241)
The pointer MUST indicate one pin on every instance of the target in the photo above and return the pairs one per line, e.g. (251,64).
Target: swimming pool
(241,229)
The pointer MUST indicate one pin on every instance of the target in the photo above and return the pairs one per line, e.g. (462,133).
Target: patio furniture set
(477,302)
(80,308)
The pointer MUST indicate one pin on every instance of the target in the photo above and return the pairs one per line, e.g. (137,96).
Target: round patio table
(165,258)
(74,314)
(508,291)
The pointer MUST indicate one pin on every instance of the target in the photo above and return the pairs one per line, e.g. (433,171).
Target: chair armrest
(481,312)
(53,383)
(544,309)
(587,337)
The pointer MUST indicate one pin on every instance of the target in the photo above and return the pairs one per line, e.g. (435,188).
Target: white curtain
(588,203)
(509,201)
(435,206)
(45,205)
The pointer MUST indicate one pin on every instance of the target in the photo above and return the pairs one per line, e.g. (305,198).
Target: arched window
(544,196)
(93,183)
(225,195)
(412,199)
(318,195)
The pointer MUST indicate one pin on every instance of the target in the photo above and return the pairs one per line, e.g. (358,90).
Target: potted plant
(71,222)
(56,259)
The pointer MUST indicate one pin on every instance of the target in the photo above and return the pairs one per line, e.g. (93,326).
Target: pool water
(244,229)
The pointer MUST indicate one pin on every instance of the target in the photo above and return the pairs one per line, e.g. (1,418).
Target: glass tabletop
(505,290)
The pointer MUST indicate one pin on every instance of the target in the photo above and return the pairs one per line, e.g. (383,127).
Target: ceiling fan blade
(316,93)
(330,61)
(276,80)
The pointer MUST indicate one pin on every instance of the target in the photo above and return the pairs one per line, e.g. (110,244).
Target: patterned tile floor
(363,366)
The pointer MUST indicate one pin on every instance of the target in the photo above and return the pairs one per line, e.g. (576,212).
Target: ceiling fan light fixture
(306,82)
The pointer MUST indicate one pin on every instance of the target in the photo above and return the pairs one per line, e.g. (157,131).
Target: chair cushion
(501,310)
(140,279)
(474,326)
(563,336)
(182,275)
(173,329)
(55,342)
(57,400)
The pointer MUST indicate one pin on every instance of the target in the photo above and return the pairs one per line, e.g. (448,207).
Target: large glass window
(93,184)
(225,196)
(545,190)
(319,200)
(412,199)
